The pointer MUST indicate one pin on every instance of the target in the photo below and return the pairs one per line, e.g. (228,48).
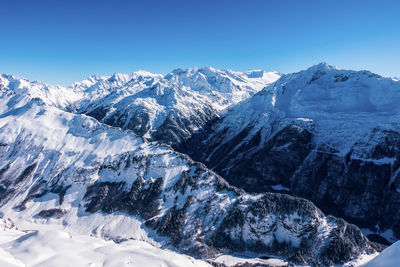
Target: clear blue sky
(64,41)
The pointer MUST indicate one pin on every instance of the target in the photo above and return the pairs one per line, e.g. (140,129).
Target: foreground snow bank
(55,247)
(390,257)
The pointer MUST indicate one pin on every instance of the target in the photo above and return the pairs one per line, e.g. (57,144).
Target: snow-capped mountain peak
(325,97)
(227,80)
(53,95)
(322,66)
(325,126)
(119,78)
(170,107)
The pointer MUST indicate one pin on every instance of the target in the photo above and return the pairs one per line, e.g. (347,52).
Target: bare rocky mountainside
(263,157)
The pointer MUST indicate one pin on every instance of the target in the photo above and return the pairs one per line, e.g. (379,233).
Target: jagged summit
(97,82)
(231,76)
(119,77)
(321,67)
(169,108)
(179,71)
(54,95)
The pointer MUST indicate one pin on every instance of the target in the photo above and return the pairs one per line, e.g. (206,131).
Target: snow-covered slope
(54,95)
(390,257)
(54,247)
(71,171)
(330,135)
(340,104)
(168,109)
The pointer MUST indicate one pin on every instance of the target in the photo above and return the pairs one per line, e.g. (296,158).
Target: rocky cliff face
(329,135)
(70,170)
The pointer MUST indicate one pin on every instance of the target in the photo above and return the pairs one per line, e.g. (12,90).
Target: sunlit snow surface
(232,260)
(390,257)
(50,246)
(338,106)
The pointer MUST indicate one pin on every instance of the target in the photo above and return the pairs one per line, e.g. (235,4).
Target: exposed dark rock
(341,241)
(177,128)
(32,193)
(25,173)
(172,225)
(52,213)
(98,113)
(141,199)
(60,190)
(255,166)
(345,186)
(138,122)
(379,239)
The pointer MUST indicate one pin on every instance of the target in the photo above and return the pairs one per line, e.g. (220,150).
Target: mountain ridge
(326,134)
(168,108)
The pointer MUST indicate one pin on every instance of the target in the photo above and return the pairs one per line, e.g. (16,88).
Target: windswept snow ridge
(390,257)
